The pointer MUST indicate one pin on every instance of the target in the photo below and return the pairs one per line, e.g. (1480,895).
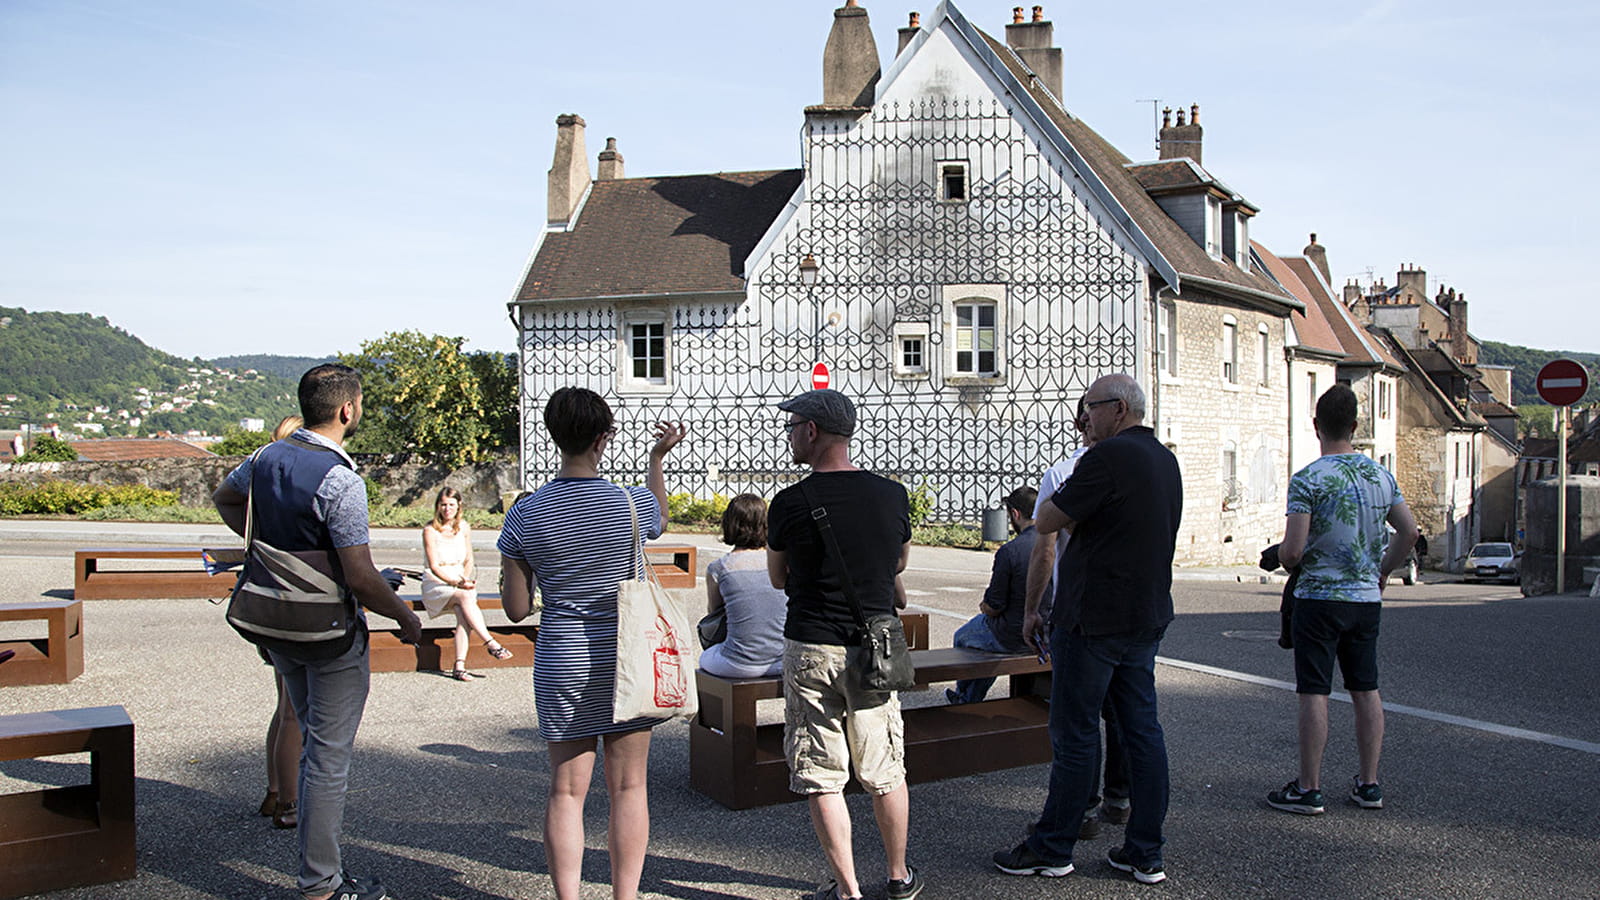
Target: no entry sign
(819,376)
(1562,382)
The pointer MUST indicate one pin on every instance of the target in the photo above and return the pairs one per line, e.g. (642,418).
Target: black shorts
(1328,629)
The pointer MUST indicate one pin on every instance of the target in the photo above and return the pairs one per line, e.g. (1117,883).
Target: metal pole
(1561,504)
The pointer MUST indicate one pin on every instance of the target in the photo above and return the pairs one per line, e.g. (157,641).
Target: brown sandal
(460,673)
(269,804)
(496,651)
(287,815)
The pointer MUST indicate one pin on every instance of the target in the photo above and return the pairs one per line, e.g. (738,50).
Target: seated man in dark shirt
(998,626)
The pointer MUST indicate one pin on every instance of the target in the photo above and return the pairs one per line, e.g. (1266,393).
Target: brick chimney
(1461,346)
(1413,278)
(909,33)
(1034,42)
(850,68)
(1184,138)
(1352,291)
(610,162)
(569,173)
(1314,251)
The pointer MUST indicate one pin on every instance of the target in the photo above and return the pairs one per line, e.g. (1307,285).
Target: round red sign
(819,376)
(1562,382)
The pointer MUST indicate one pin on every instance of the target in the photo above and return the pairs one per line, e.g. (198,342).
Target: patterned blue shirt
(1348,497)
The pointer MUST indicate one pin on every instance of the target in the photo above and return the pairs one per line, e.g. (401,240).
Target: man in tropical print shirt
(1335,534)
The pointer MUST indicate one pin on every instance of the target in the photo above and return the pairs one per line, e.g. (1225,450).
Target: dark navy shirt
(1008,590)
(1126,497)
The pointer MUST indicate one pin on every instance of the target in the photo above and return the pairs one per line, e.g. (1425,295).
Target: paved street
(1487,767)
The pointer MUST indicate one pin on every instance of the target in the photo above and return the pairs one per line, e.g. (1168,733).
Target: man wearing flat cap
(830,721)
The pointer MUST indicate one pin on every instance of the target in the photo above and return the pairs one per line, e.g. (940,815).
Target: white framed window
(1387,461)
(953,183)
(645,351)
(1232,490)
(1230,350)
(1167,338)
(912,350)
(1213,227)
(1264,342)
(1384,400)
(1311,392)
(976,347)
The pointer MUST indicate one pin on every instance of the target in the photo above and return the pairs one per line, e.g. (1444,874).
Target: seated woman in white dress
(448,584)
(739,583)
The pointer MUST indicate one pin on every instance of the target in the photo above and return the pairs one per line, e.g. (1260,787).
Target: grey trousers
(329,696)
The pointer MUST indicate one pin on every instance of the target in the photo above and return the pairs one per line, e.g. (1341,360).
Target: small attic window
(953,182)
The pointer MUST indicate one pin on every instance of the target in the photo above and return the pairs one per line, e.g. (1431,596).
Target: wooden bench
(58,658)
(740,764)
(91,582)
(437,649)
(65,837)
(674,564)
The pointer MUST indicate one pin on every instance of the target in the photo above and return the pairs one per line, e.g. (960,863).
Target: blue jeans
(975,635)
(329,696)
(1087,672)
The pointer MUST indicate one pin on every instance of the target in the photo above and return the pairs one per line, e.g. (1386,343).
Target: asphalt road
(449,780)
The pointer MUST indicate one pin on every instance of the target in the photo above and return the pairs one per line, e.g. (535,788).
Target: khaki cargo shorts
(829,721)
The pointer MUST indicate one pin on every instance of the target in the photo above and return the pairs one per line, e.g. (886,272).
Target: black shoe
(1366,796)
(1021,860)
(1090,827)
(353,888)
(1292,799)
(1152,874)
(905,890)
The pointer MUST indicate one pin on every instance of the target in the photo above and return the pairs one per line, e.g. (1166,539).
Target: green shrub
(687,509)
(241,443)
(921,503)
(374,495)
(70,498)
(139,512)
(48,449)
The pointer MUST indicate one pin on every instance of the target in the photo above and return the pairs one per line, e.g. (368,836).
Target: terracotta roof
(1108,163)
(684,234)
(1493,408)
(1361,348)
(1310,325)
(119,449)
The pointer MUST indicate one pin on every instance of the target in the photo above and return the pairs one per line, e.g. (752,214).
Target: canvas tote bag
(656,653)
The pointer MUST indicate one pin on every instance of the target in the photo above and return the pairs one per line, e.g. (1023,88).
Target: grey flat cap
(832,411)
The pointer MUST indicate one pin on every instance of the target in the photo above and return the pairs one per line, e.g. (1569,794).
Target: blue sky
(296,177)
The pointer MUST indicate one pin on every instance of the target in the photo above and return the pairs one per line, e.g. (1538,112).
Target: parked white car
(1494,560)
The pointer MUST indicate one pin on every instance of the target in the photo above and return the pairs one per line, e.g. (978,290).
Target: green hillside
(290,367)
(1527,362)
(70,368)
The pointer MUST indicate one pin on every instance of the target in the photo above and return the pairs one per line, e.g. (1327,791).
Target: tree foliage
(48,449)
(238,442)
(421,393)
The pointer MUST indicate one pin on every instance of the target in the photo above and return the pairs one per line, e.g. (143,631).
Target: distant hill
(1527,362)
(75,368)
(291,367)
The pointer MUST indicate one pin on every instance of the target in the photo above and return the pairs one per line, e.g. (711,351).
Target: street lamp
(808,277)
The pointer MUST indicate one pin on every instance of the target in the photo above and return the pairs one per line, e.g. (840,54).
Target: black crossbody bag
(884,663)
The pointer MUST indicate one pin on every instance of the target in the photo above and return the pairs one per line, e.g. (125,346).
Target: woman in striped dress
(573,537)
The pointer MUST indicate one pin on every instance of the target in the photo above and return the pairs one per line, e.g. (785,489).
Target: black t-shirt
(1127,497)
(871,519)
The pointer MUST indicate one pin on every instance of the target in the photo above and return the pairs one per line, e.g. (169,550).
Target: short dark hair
(744,522)
(1023,500)
(1336,413)
(326,388)
(575,418)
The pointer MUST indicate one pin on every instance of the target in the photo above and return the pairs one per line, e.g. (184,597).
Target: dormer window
(953,187)
(1214,227)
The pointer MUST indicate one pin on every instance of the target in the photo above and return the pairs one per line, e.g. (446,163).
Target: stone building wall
(1201,416)
(403,481)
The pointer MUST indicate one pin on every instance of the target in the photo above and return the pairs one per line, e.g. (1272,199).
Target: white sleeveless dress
(452,558)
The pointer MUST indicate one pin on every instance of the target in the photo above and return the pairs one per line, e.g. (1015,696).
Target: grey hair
(1122,387)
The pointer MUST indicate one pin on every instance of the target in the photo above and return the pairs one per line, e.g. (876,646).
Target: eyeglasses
(788,427)
(1091,404)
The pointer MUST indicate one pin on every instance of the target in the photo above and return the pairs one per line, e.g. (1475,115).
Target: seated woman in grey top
(756,609)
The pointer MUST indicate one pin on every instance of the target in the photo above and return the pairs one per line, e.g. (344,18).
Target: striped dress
(575,535)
